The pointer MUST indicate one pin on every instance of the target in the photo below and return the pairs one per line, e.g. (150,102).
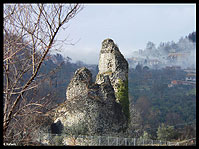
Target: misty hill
(181,53)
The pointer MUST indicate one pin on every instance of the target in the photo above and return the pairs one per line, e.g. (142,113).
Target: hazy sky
(131,26)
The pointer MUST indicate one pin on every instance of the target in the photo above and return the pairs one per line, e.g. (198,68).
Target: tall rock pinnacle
(113,64)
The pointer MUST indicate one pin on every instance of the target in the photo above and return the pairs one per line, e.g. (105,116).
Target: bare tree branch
(30,32)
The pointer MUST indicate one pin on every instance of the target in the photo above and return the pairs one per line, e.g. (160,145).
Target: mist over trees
(181,53)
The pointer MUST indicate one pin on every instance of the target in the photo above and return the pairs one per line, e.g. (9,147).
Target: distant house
(170,85)
(152,62)
(174,82)
(134,61)
(179,82)
(177,56)
(190,77)
(189,70)
(173,68)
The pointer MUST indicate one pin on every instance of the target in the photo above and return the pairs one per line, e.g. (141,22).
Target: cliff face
(96,108)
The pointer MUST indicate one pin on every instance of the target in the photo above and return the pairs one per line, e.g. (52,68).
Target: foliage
(191,92)
(192,36)
(123,97)
(138,68)
(57,140)
(159,104)
(166,133)
(145,135)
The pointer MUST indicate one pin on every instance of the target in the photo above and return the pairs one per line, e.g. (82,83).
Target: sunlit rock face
(113,64)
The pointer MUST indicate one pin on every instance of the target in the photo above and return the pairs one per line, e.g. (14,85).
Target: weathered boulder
(90,108)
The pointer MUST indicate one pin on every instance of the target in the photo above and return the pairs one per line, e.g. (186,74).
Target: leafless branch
(30,32)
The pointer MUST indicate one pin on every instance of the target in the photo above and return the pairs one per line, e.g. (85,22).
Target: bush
(57,140)
(165,133)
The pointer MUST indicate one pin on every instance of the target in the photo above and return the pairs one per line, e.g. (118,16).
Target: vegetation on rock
(123,97)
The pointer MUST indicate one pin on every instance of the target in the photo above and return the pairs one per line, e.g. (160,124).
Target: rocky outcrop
(90,108)
(100,107)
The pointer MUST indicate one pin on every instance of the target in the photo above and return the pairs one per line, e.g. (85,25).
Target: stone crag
(90,108)
(113,64)
(96,108)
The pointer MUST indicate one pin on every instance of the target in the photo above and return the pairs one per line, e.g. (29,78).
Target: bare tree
(30,31)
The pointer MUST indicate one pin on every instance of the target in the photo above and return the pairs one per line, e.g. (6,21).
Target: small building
(170,85)
(180,82)
(177,56)
(189,70)
(173,68)
(174,82)
(190,77)
(152,62)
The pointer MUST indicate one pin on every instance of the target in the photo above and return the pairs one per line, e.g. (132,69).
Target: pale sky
(131,26)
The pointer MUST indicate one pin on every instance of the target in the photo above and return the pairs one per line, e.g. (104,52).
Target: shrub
(166,133)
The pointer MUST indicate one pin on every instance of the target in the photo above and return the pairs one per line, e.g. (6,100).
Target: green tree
(143,105)
(165,133)
(57,140)
(145,136)
(138,67)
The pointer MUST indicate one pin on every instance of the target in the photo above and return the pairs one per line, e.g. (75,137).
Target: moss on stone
(123,98)
(109,72)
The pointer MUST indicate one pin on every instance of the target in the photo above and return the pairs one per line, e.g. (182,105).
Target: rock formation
(90,108)
(113,64)
(100,107)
